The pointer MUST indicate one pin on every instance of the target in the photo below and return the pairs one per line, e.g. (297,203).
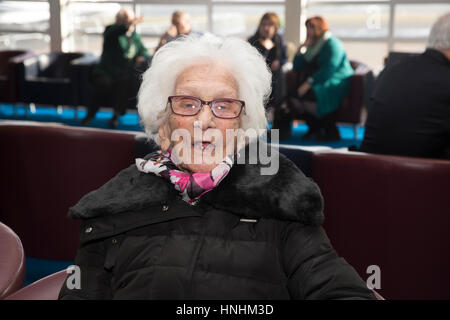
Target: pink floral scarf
(190,186)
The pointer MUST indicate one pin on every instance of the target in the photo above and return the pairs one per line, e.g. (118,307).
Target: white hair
(244,61)
(439,37)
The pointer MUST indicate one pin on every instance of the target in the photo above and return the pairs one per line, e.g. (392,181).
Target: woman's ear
(164,136)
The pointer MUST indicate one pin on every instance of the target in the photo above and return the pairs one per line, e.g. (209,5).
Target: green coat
(331,83)
(119,52)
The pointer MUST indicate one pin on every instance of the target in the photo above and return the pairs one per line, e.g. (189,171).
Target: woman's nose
(205,116)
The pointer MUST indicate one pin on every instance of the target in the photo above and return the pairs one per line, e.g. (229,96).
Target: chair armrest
(81,68)
(88,59)
(360,69)
(21,58)
(27,65)
(45,80)
(44,289)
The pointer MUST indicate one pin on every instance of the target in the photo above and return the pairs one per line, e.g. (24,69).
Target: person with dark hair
(115,78)
(271,45)
(409,112)
(323,80)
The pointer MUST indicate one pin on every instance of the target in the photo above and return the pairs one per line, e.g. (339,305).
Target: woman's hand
(139,60)
(267,43)
(130,24)
(308,42)
(172,31)
(275,66)
(303,89)
(137,20)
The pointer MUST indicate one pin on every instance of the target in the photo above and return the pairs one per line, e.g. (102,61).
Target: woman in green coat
(323,80)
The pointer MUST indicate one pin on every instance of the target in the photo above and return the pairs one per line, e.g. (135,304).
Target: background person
(167,228)
(323,80)
(409,112)
(181,25)
(271,45)
(116,77)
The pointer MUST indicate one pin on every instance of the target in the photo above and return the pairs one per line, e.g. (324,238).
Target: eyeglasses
(225,108)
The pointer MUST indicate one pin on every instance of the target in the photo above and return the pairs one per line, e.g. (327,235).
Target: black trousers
(111,91)
(276,95)
(283,120)
(283,117)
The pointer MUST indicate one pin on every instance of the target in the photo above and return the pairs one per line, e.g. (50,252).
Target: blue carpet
(346,132)
(39,268)
(130,122)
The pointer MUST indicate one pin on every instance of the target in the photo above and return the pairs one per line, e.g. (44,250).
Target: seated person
(115,76)
(198,219)
(323,81)
(409,112)
(181,25)
(271,45)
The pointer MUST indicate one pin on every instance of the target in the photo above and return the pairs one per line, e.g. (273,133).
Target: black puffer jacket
(253,237)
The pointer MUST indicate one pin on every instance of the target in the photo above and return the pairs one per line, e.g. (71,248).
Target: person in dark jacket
(322,82)
(116,75)
(173,226)
(409,112)
(271,45)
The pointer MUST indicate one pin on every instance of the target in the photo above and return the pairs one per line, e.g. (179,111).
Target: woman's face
(311,31)
(205,81)
(183,25)
(267,29)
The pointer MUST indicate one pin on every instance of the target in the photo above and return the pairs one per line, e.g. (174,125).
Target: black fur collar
(287,195)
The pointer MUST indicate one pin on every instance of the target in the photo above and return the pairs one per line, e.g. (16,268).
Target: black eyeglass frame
(209,103)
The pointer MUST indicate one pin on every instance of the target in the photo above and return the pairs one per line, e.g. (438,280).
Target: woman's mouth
(204,145)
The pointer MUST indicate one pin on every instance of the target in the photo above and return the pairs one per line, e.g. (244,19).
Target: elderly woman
(171,227)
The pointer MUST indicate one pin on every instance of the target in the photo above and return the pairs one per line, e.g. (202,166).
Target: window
(226,18)
(242,20)
(414,21)
(24,16)
(362,27)
(371,53)
(88,21)
(369,29)
(409,46)
(354,20)
(24,25)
